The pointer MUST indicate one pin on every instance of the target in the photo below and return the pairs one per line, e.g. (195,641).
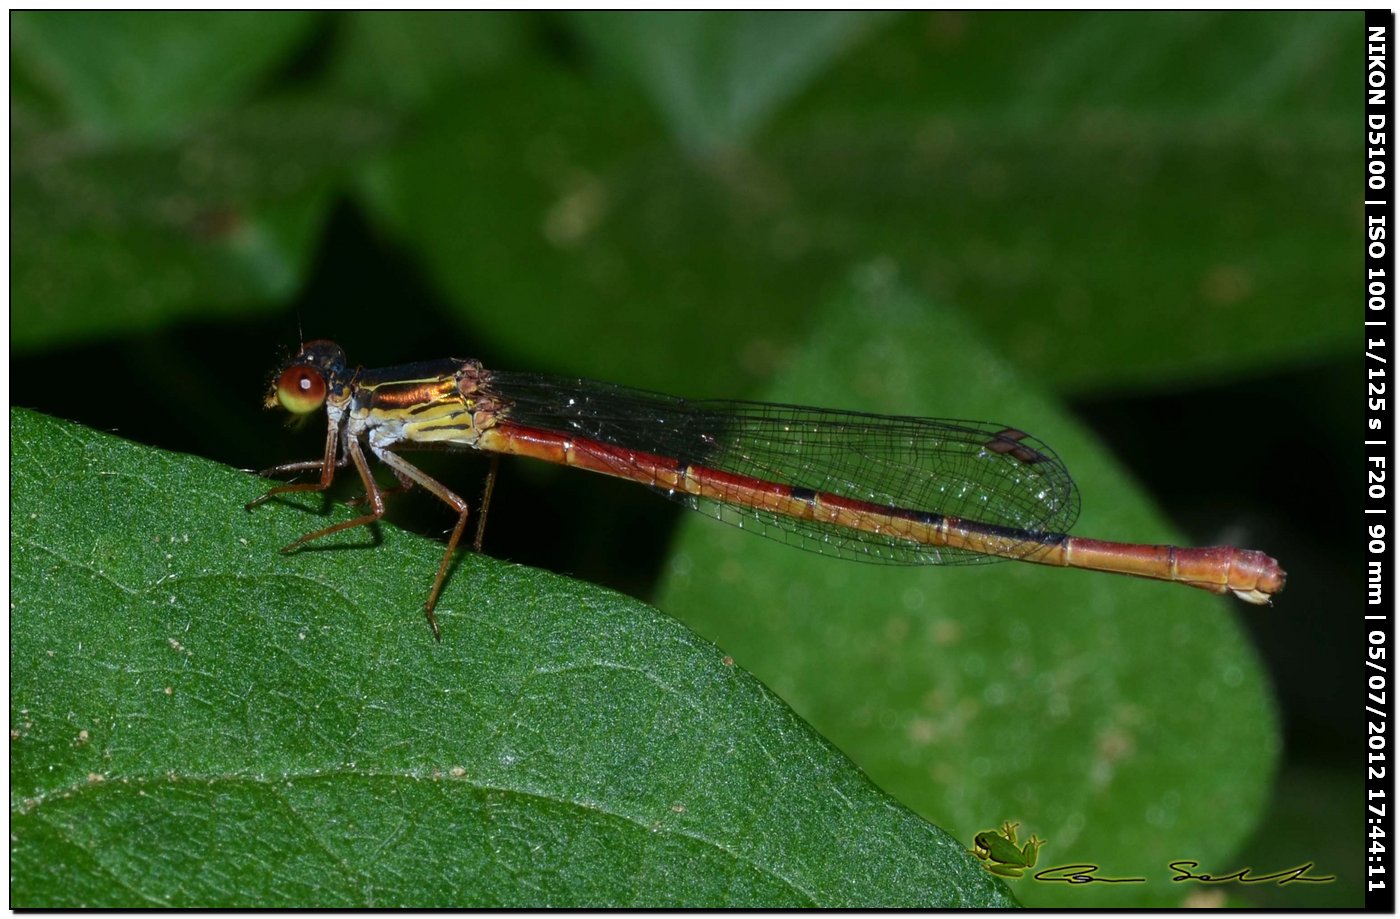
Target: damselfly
(876,488)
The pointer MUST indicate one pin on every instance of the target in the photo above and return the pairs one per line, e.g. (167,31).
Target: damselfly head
(300,389)
(303,383)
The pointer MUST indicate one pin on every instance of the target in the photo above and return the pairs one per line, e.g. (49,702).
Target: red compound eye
(301,389)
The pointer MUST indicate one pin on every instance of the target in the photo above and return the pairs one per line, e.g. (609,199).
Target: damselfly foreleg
(327,464)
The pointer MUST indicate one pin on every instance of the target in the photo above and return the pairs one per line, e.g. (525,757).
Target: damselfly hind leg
(406,471)
(486,490)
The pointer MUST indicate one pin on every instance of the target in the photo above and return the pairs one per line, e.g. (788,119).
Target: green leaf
(717,76)
(405,56)
(129,237)
(1126,722)
(141,75)
(1111,221)
(198,720)
(149,180)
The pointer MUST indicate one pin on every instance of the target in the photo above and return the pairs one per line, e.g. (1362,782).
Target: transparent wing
(980,471)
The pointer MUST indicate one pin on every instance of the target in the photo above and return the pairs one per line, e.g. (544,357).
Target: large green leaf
(198,720)
(1127,722)
(1109,220)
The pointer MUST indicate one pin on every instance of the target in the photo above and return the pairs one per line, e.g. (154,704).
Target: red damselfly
(877,488)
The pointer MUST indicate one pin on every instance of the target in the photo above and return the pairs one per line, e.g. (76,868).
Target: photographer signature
(1002,854)
(1086,874)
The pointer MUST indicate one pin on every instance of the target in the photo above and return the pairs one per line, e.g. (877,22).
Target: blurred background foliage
(1152,217)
